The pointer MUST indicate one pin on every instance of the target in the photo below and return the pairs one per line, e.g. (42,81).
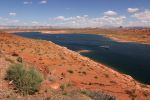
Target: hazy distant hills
(59,27)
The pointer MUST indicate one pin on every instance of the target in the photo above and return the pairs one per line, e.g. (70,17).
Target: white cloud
(43,2)
(26,2)
(110,13)
(35,22)
(12,14)
(6,21)
(60,18)
(13,21)
(133,10)
(143,16)
(140,19)
(110,18)
(85,15)
(85,21)
(138,23)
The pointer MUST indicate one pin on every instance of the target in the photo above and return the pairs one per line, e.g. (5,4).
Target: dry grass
(26,81)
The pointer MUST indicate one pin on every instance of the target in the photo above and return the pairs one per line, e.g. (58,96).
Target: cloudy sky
(75,13)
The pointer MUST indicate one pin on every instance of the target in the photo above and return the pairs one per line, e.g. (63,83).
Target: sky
(75,13)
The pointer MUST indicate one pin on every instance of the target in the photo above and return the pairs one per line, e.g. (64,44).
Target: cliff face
(60,65)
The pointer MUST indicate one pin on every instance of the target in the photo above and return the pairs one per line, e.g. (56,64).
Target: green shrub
(26,80)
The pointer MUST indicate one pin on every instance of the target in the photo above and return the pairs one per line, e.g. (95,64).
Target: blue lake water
(129,58)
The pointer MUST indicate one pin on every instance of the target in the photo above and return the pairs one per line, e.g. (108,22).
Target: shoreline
(101,63)
(124,41)
(104,65)
(110,36)
(108,66)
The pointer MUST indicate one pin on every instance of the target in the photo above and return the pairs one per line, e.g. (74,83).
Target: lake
(129,58)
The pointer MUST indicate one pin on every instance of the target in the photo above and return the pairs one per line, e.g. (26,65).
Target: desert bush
(83,91)
(70,71)
(62,86)
(19,59)
(14,54)
(96,95)
(95,77)
(84,72)
(106,75)
(27,81)
(48,98)
(131,93)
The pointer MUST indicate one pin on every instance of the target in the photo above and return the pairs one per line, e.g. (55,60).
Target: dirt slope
(60,65)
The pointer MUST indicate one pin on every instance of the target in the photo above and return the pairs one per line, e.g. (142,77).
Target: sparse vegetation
(131,93)
(84,72)
(83,91)
(27,81)
(65,93)
(14,54)
(106,75)
(96,95)
(62,87)
(46,91)
(65,85)
(90,83)
(79,77)
(22,49)
(70,71)
(19,59)
(146,93)
(95,77)
(48,98)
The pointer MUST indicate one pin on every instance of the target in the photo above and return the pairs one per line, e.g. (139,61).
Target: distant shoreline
(119,35)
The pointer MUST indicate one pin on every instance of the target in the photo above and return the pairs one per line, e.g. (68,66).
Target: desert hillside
(62,66)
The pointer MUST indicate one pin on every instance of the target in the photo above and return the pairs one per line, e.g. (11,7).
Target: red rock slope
(62,66)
